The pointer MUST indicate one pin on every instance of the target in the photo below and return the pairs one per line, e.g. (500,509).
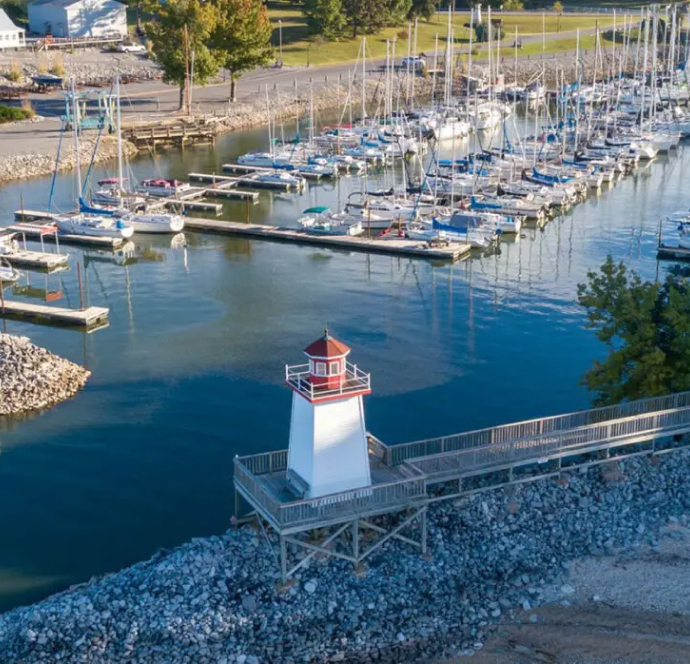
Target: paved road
(141,100)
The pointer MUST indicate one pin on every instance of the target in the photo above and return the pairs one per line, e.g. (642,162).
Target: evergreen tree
(425,9)
(646,327)
(179,32)
(241,37)
(397,11)
(327,17)
(365,16)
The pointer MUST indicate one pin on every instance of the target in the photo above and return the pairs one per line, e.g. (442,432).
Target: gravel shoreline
(32,377)
(494,555)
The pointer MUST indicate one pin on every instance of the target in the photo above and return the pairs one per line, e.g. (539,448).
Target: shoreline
(218,599)
(287,104)
(32,378)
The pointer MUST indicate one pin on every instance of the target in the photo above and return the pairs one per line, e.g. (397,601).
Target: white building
(78,18)
(10,35)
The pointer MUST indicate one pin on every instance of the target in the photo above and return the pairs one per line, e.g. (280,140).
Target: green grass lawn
(298,44)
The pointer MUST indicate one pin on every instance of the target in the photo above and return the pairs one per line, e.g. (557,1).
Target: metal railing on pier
(532,428)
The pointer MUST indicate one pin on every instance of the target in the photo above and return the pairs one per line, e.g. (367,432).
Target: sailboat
(141,222)
(88,223)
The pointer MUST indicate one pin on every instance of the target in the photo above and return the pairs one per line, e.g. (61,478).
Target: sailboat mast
(75,127)
(364,81)
(118,119)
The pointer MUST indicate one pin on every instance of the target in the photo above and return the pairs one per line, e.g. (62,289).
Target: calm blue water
(189,372)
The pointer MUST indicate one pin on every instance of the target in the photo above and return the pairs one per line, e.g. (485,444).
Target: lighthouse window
(335,368)
(320,368)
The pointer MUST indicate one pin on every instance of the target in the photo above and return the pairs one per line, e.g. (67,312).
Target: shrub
(14,114)
(58,68)
(402,35)
(15,73)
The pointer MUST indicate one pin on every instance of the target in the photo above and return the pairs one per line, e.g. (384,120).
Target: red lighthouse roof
(326,347)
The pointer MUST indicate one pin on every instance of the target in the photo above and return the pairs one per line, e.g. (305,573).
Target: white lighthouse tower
(328,441)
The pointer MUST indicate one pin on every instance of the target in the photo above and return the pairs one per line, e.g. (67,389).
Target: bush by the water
(14,114)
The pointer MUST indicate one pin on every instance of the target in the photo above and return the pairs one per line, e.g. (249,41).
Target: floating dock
(37,259)
(41,313)
(37,230)
(396,246)
(664,251)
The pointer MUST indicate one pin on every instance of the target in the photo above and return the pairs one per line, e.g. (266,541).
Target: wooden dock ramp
(83,318)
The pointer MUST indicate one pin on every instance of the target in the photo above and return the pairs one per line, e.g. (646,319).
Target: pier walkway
(406,478)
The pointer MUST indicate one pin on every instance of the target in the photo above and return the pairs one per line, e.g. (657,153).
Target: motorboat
(283,178)
(153,223)
(162,187)
(112,191)
(320,220)
(8,274)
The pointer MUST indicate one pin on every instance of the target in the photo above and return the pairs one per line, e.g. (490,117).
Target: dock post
(355,541)
(57,242)
(2,296)
(81,289)
(24,239)
(422,523)
(283,559)
(246,215)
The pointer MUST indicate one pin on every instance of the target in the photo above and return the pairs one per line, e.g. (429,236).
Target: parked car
(131,48)
(414,62)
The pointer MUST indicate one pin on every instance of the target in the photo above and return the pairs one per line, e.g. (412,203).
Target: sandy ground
(625,609)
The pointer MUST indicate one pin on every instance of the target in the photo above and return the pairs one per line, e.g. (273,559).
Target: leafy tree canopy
(646,326)
(171,50)
(425,9)
(234,34)
(336,18)
(242,35)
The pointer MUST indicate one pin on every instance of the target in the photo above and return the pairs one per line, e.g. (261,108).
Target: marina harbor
(328,348)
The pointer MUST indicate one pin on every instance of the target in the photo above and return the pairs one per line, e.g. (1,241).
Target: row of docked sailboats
(596,130)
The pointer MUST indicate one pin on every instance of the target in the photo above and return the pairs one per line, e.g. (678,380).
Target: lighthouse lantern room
(328,450)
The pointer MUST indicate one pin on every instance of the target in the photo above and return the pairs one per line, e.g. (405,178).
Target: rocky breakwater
(34,164)
(32,378)
(219,600)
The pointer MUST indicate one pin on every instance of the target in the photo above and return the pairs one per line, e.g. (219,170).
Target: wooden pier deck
(673,253)
(456,465)
(37,259)
(33,230)
(396,246)
(83,318)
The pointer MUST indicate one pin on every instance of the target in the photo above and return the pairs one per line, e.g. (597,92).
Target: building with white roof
(78,18)
(10,35)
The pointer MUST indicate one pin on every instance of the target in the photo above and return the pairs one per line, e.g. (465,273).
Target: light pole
(280,37)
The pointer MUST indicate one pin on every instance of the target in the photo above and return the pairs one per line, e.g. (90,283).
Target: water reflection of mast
(471,348)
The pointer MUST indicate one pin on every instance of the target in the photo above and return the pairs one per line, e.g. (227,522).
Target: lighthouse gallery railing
(297,376)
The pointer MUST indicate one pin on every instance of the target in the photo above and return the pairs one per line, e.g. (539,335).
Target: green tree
(513,5)
(425,9)
(558,8)
(646,327)
(365,16)
(179,32)
(397,11)
(241,38)
(326,17)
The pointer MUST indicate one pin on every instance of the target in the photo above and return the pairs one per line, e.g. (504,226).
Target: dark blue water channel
(189,371)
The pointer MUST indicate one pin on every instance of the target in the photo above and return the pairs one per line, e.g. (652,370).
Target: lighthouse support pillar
(354,540)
